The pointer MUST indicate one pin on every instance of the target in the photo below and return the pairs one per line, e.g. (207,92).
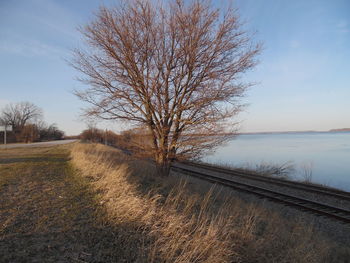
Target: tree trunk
(163,165)
(163,170)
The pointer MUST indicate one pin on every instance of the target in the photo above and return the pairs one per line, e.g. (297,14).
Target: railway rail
(334,193)
(303,204)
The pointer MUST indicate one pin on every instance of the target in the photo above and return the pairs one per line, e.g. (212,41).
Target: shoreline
(293,132)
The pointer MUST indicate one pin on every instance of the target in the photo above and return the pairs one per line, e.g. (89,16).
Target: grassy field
(92,203)
(48,213)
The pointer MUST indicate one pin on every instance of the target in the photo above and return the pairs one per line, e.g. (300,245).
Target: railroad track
(334,193)
(316,208)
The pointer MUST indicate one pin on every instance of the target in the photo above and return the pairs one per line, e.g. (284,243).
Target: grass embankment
(177,225)
(103,206)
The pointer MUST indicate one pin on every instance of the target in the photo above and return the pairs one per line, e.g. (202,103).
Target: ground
(47,214)
(92,203)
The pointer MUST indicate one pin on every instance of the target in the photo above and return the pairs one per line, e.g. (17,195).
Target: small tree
(19,115)
(173,68)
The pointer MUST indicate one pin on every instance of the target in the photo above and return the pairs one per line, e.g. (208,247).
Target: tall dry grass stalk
(175,225)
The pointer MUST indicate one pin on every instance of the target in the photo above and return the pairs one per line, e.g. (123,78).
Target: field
(92,203)
(48,214)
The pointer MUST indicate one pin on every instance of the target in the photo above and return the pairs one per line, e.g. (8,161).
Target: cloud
(35,28)
(30,48)
(56,17)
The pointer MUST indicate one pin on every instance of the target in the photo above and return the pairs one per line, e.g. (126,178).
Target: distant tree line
(137,141)
(27,123)
(95,135)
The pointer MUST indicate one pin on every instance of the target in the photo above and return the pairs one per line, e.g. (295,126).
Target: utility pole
(105,136)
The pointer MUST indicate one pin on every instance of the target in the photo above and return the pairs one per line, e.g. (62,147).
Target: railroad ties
(316,208)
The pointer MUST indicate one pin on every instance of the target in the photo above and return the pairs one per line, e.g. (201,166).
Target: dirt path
(47,212)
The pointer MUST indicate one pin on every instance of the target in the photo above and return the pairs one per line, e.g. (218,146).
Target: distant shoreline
(345,130)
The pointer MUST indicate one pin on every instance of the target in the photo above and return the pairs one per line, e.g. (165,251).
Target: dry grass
(172,236)
(48,213)
(92,203)
(175,223)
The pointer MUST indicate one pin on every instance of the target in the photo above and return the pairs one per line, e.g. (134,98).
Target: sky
(302,80)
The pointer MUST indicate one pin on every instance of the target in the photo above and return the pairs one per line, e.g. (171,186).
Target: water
(328,154)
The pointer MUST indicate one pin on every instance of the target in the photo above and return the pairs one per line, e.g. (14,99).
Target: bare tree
(174,68)
(20,114)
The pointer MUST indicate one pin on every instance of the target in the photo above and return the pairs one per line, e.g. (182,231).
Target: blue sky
(303,79)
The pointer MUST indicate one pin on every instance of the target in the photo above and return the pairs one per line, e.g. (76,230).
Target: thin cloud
(31,48)
(56,17)
(49,29)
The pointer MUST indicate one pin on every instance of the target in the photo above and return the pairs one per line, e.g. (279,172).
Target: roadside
(47,212)
(35,144)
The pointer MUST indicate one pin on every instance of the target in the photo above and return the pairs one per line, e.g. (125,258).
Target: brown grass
(176,224)
(92,203)
(197,237)
(48,213)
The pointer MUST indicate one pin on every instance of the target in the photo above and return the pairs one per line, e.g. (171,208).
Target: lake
(327,154)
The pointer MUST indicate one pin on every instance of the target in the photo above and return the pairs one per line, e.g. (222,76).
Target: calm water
(327,153)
